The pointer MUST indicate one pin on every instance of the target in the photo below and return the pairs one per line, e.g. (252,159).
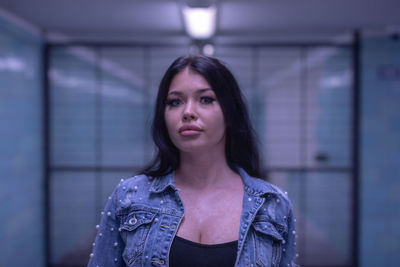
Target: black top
(186,253)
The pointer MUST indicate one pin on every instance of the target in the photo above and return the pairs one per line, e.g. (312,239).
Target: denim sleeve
(289,244)
(108,245)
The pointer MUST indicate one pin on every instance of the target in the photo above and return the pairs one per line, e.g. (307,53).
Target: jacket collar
(255,186)
(160,184)
(252,185)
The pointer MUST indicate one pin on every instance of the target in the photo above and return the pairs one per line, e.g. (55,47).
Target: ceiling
(160,21)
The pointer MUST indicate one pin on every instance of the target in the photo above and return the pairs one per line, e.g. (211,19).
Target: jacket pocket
(267,239)
(134,229)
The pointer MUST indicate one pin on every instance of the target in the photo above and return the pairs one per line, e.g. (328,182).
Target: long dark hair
(240,148)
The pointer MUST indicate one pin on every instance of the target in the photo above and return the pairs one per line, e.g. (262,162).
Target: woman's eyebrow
(203,90)
(199,91)
(175,93)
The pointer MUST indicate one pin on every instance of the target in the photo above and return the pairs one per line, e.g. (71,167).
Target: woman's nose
(189,112)
(189,117)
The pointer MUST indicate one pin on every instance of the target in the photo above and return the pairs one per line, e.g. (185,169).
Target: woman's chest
(211,219)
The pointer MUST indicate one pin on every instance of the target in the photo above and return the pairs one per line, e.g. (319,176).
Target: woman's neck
(202,171)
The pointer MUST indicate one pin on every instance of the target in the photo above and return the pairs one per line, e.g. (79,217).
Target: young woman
(198,203)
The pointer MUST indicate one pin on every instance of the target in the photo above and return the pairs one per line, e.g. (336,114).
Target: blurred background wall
(75,120)
(380,148)
(21,147)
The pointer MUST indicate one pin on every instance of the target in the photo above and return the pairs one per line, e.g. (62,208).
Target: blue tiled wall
(380,153)
(21,178)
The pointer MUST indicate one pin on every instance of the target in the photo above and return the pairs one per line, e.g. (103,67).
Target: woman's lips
(189,130)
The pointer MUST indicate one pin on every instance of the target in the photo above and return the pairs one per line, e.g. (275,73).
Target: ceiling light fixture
(208,50)
(200,21)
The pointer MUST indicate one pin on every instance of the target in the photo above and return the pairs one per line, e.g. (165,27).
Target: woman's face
(193,115)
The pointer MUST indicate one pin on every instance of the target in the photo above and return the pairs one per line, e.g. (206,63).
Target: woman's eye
(173,102)
(206,100)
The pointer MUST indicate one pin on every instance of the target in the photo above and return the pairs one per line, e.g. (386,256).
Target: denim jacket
(143,214)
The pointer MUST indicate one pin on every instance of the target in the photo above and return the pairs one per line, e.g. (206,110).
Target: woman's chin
(194,147)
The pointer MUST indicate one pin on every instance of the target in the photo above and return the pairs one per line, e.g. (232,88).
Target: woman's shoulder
(281,195)
(260,187)
(140,179)
(271,189)
(140,193)
(135,184)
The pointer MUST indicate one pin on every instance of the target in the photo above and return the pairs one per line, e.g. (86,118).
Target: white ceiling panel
(148,20)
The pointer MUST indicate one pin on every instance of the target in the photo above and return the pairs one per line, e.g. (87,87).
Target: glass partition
(299,99)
